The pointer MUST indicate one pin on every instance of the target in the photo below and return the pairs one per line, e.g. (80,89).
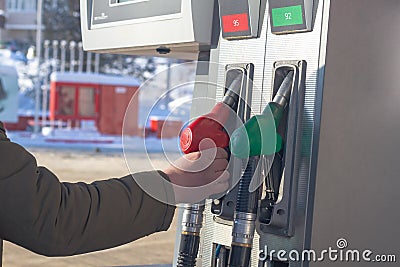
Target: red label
(235,23)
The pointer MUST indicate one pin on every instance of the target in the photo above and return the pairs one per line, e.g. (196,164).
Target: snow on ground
(91,140)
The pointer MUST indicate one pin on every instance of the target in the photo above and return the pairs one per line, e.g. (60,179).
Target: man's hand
(198,175)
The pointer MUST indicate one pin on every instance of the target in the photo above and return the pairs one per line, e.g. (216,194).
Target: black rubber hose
(188,250)
(248,201)
(240,256)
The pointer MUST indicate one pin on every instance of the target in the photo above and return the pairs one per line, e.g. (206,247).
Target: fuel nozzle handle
(258,135)
(211,125)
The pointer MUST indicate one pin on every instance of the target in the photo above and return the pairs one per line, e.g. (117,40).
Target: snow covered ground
(91,140)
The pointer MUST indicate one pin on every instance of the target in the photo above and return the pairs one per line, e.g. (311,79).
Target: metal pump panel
(173,28)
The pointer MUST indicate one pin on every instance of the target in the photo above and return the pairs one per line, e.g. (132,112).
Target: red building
(102,98)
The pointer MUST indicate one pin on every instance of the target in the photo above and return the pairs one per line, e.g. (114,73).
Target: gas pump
(243,209)
(308,81)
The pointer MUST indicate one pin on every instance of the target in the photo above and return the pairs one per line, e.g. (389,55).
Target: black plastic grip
(188,250)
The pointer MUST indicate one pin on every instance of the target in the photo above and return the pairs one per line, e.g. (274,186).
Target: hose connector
(192,222)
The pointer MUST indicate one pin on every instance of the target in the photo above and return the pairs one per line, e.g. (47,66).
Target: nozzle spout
(231,97)
(283,95)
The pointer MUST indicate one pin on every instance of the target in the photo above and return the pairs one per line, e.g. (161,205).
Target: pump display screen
(106,12)
(286,16)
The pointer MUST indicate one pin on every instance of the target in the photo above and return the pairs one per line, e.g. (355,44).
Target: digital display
(129,11)
(287,16)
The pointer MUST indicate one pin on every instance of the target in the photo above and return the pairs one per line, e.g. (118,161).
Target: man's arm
(59,219)
(3,135)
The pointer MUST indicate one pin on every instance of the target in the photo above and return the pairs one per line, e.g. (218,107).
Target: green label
(286,16)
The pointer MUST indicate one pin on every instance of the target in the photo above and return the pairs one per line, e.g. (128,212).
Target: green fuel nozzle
(258,135)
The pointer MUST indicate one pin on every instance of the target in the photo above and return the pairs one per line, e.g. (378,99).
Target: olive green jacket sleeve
(60,219)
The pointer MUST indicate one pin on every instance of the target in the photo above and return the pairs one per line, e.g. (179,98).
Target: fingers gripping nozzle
(258,135)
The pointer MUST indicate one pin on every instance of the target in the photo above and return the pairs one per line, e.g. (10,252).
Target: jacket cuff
(3,136)
(170,195)
(157,186)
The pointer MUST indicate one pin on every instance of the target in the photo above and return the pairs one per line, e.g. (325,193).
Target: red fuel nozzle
(209,126)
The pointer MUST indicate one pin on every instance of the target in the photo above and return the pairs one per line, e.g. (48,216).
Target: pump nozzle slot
(258,132)
(239,87)
(238,83)
(277,207)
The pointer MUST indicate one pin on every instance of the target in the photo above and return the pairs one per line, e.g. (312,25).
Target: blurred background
(67,107)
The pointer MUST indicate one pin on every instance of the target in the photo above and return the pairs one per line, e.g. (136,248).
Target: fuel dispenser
(266,192)
(314,85)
